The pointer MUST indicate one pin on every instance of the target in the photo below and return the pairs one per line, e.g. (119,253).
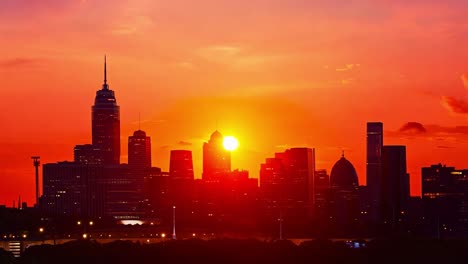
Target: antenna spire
(105,70)
(342,153)
(105,86)
(139,120)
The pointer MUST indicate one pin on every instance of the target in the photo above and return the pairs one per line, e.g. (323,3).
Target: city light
(163,235)
(41,229)
(85,236)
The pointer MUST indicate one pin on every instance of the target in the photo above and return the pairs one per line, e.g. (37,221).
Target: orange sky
(275,74)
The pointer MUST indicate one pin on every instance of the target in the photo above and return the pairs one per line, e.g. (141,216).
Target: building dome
(343,174)
(216,136)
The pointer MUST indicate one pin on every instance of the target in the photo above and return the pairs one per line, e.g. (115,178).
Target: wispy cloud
(184,143)
(454,104)
(20,62)
(347,67)
(416,129)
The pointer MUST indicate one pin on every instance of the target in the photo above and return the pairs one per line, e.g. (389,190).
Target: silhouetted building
(181,183)
(181,165)
(156,193)
(139,150)
(91,191)
(374,168)
(106,124)
(322,187)
(216,159)
(344,195)
(445,200)
(395,185)
(322,201)
(287,183)
(87,154)
(71,189)
(124,192)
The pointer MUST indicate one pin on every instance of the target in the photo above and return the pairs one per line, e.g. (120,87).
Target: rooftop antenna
(105,69)
(36,164)
(139,120)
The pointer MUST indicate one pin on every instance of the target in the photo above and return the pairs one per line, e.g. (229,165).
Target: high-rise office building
(139,150)
(73,190)
(181,165)
(374,168)
(395,184)
(87,154)
(445,200)
(216,159)
(322,191)
(287,180)
(106,124)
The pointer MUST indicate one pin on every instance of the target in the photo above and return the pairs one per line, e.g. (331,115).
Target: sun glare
(230,143)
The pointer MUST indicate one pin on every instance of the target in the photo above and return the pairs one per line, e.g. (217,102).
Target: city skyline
(227,83)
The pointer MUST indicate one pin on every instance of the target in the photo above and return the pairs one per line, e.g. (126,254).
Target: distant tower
(216,159)
(106,123)
(395,183)
(181,165)
(36,164)
(139,150)
(374,168)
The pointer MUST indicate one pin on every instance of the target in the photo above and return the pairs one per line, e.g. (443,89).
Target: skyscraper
(106,123)
(181,165)
(216,159)
(374,168)
(139,150)
(395,184)
(288,181)
(445,200)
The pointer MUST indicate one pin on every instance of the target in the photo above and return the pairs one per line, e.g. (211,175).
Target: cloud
(444,147)
(464,78)
(184,143)
(348,67)
(132,25)
(19,63)
(412,128)
(435,132)
(455,105)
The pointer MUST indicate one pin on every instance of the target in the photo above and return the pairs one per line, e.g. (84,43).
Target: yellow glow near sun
(230,143)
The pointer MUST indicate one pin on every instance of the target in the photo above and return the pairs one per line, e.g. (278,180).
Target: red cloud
(455,105)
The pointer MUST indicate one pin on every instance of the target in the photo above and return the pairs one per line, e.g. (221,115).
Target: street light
(173,223)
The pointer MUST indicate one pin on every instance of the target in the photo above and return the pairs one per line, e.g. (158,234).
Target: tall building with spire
(106,124)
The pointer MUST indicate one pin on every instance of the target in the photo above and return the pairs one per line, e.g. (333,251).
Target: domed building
(344,195)
(343,174)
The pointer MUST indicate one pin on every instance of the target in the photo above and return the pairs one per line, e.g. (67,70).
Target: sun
(230,143)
